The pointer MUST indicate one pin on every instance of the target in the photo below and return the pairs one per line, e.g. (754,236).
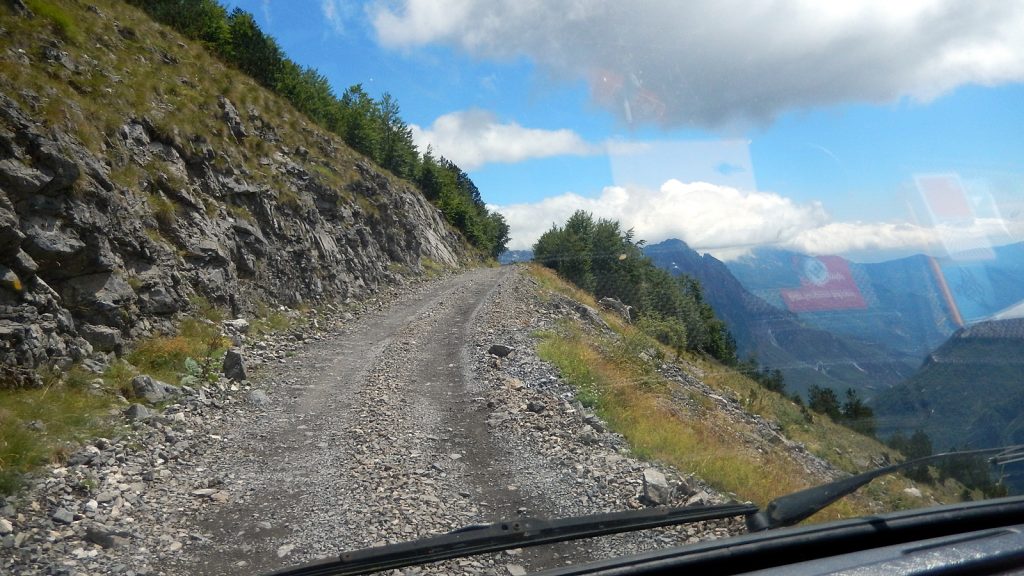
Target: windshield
(283,279)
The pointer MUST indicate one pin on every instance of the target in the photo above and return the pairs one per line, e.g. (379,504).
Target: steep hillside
(141,177)
(969,392)
(779,339)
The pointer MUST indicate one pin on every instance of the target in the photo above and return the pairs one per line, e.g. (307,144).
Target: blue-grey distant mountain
(512,256)
(910,305)
(968,392)
(807,355)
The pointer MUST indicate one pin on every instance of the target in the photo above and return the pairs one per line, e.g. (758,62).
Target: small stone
(285,550)
(258,398)
(62,516)
(595,423)
(515,570)
(104,497)
(5,527)
(588,435)
(106,538)
(913,491)
(535,406)
(701,498)
(499,350)
(137,412)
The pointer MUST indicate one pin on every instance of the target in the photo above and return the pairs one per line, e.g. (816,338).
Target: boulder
(61,253)
(616,305)
(20,180)
(102,338)
(239,325)
(102,298)
(153,390)
(234,365)
(23,263)
(233,119)
(158,300)
(656,489)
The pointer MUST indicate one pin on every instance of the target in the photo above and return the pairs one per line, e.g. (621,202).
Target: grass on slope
(694,436)
(122,65)
(42,425)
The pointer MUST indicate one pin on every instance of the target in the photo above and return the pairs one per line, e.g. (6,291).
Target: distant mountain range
(778,338)
(968,392)
(512,256)
(910,305)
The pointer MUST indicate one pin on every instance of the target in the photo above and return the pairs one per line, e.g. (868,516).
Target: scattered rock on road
(499,350)
(656,489)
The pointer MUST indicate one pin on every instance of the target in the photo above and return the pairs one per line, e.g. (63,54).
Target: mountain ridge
(777,338)
(950,396)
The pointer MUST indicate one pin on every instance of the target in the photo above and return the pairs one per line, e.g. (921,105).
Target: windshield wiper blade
(792,508)
(508,535)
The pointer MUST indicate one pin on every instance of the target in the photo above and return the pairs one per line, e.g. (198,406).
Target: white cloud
(472,138)
(728,222)
(332,12)
(709,62)
(702,214)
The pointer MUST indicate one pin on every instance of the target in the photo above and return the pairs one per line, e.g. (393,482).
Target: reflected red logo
(825,284)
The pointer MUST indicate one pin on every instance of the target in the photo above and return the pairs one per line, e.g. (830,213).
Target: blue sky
(729,125)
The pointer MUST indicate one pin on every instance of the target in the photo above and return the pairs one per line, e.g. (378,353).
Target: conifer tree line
(372,127)
(601,258)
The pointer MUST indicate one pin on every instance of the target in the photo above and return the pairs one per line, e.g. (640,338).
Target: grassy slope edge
(661,420)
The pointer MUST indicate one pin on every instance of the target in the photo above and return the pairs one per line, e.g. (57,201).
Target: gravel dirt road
(386,427)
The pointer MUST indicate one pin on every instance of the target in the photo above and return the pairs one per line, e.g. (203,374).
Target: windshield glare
(280,279)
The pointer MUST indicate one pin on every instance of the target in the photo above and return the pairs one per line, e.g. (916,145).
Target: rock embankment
(385,427)
(101,247)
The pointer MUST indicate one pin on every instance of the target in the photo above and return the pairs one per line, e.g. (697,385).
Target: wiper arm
(507,535)
(783,511)
(792,508)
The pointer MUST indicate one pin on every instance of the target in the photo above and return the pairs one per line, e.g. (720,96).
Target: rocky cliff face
(99,248)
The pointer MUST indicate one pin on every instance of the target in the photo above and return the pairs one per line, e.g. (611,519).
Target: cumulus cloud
(472,138)
(709,62)
(728,222)
(704,215)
